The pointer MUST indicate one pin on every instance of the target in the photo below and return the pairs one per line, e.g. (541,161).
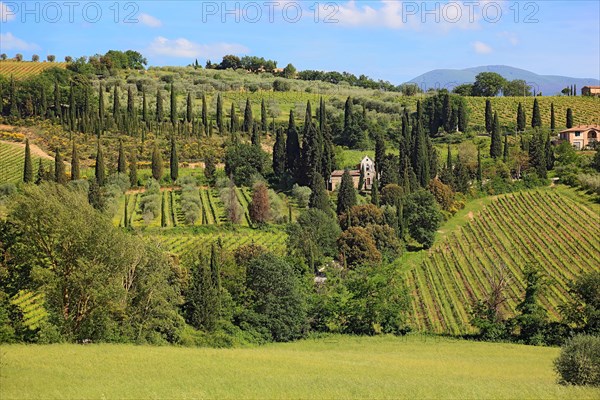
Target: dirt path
(35,150)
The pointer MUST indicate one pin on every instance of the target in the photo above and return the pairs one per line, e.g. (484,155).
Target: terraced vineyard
(12,159)
(186,242)
(25,69)
(545,228)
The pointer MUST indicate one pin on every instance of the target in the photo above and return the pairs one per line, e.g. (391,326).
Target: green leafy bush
(579,361)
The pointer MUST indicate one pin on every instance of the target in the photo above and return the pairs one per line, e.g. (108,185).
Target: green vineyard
(544,229)
(26,69)
(12,159)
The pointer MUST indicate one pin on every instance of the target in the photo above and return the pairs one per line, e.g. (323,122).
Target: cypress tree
(173,104)
(449,159)
(204,113)
(101,113)
(220,114)
(41,173)
(461,176)
(75,173)
(60,175)
(537,154)
(144,106)
(379,153)
(375,192)
(421,160)
(57,106)
(233,124)
(163,210)
(447,120)
(263,116)
(215,277)
(95,196)
(43,102)
(489,121)
(159,106)
(28,166)
(133,180)
(189,114)
(255,138)
(312,146)
(505,152)
(100,170)
(248,121)
(174,160)
(292,148)
(116,105)
(463,119)
(346,194)
(157,164)
(479,168)
(130,103)
(328,156)
(569,118)
(121,161)
(279,154)
(536,118)
(575,90)
(496,144)
(549,153)
(552,120)
(201,303)
(520,118)
(319,198)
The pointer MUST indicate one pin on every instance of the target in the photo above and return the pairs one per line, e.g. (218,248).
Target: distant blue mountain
(547,84)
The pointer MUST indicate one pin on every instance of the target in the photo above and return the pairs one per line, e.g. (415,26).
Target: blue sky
(391,40)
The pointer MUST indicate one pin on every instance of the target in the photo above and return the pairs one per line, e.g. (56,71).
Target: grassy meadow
(332,367)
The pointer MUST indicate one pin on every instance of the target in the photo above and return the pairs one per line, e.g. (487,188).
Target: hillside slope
(542,228)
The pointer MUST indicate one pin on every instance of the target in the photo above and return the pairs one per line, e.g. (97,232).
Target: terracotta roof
(592,87)
(582,128)
(340,172)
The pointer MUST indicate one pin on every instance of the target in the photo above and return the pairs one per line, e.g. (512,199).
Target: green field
(545,228)
(333,367)
(12,158)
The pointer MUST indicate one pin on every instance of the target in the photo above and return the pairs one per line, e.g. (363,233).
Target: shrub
(301,194)
(280,85)
(579,361)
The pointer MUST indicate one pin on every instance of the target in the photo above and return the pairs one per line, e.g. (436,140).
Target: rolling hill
(546,84)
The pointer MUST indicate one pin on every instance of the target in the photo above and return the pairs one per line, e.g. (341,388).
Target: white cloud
(481,48)
(11,42)
(511,37)
(5,13)
(149,20)
(394,14)
(184,48)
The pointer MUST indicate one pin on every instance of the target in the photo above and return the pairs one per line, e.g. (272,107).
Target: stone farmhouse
(367,166)
(590,91)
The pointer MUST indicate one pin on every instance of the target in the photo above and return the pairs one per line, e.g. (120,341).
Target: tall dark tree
(536,117)
(174,117)
(463,119)
(328,155)
(489,116)
(174,160)
(204,113)
(60,175)
(312,146)
(160,114)
(189,112)
(157,163)
(496,144)
(202,297)
(255,138)
(220,114)
(116,105)
(552,120)
(144,106)
(75,172)
(537,154)
(380,153)
(263,116)
(248,119)
(460,176)
(28,166)
(569,118)
(421,162)
(279,154)
(100,169)
(101,112)
(41,173)
(346,194)
(292,148)
(520,118)
(133,179)
(121,160)
(233,121)
(505,153)
(130,103)
(532,318)
(319,198)
(448,121)
(375,192)
(549,153)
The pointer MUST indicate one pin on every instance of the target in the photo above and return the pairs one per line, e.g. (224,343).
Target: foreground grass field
(335,367)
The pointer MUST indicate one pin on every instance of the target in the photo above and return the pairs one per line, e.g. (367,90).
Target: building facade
(582,136)
(366,166)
